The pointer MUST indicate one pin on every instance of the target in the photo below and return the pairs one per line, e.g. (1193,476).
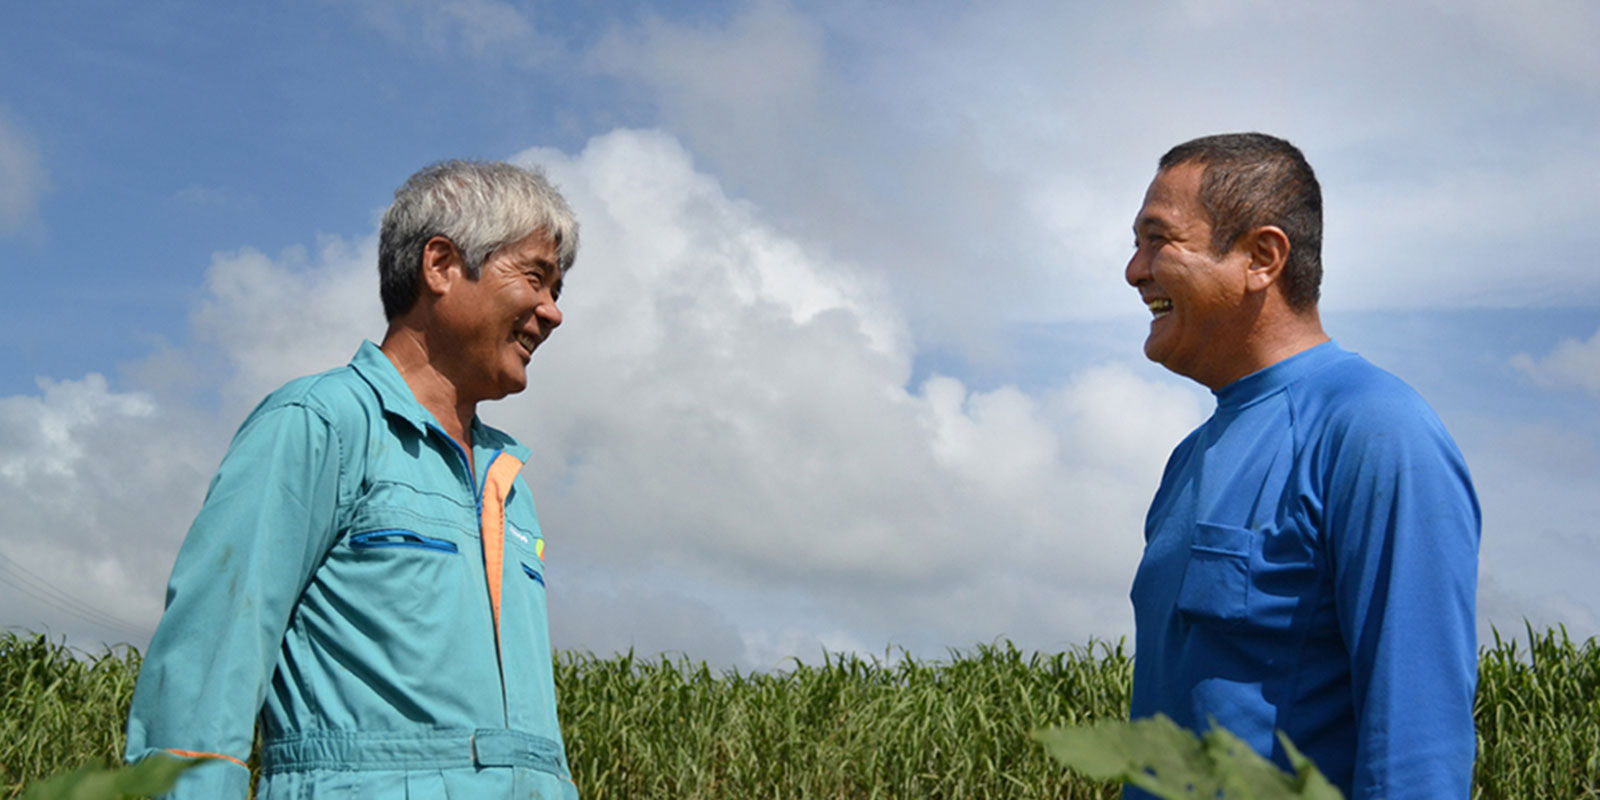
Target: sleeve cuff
(212,779)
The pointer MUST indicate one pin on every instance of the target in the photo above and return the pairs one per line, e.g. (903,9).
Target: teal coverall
(354,584)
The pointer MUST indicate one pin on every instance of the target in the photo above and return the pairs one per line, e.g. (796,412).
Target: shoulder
(1351,395)
(1355,417)
(340,398)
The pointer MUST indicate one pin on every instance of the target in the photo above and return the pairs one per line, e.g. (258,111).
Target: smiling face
(493,324)
(1200,326)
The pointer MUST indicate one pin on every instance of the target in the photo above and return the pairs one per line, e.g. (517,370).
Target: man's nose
(549,312)
(1138,269)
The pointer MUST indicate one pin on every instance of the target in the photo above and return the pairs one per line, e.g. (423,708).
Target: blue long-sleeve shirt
(1310,566)
(377,601)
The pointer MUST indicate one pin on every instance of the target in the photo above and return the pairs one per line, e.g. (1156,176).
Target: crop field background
(849,728)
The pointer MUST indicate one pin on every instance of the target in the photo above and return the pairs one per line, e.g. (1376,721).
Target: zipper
(466,464)
(477,502)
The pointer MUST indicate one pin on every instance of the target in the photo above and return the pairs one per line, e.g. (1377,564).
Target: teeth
(1159,305)
(527,341)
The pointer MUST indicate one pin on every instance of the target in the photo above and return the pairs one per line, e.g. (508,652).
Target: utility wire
(38,588)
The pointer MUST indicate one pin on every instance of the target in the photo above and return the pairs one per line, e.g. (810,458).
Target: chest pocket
(399,537)
(1216,581)
(527,547)
(405,551)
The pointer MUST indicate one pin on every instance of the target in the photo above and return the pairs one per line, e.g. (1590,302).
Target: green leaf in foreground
(1171,762)
(151,776)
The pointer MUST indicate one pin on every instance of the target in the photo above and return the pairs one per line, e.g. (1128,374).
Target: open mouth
(527,341)
(1159,306)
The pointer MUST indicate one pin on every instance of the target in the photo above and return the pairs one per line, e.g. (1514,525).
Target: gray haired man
(366,576)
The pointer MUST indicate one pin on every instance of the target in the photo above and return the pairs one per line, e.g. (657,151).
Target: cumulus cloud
(98,484)
(96,487)
(1573,364)
(275,319)
(730,407)
(733,454)
(737,450)
(844,142)
(22,176)
(990,163)
(730,456)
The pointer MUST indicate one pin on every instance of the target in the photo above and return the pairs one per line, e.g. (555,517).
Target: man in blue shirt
(1310,559)
(366,576)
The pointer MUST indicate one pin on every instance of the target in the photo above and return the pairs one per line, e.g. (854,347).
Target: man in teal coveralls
(366,575)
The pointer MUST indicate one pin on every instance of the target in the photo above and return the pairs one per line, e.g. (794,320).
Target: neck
(1286,334)
(1265,340)
(408,349)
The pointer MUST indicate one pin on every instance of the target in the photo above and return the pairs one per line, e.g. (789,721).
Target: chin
(1153,351)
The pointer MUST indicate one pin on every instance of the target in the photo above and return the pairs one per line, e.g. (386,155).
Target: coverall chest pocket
(1216,581)
(404,561)
(525,551)
(383,538)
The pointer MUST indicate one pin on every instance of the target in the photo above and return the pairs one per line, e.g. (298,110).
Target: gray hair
(480,207)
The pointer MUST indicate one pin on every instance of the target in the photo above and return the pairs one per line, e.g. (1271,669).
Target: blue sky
(849,362)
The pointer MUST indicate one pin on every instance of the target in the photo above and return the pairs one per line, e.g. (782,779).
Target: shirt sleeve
(266,524)
(1405,525)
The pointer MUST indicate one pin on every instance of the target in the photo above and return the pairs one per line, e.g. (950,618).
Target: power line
(39,589)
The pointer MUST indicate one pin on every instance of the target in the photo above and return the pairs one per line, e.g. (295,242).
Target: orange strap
(194,754)
(496,485)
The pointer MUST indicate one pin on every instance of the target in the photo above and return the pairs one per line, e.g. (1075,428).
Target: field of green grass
(850,728)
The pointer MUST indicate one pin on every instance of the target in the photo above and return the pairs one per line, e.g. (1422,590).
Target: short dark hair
(1251,180)
(480,207)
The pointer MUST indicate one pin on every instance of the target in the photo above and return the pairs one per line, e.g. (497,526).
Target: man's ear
(439,256)
(1268,247)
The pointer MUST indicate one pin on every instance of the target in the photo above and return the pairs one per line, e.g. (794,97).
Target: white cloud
(41,434)
(1573,364)
(22,176)
(96,487)
(988,160)
(276,320)
(698,415)
(727,453)
(728,457)
(731,457)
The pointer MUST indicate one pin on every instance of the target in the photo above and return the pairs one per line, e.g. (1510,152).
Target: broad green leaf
(1170,762)
(151,776)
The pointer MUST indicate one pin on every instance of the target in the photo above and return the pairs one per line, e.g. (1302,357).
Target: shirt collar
(1269,380)
(394,395)
(397,399)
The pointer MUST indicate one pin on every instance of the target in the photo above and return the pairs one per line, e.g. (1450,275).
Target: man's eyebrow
(1150,223)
